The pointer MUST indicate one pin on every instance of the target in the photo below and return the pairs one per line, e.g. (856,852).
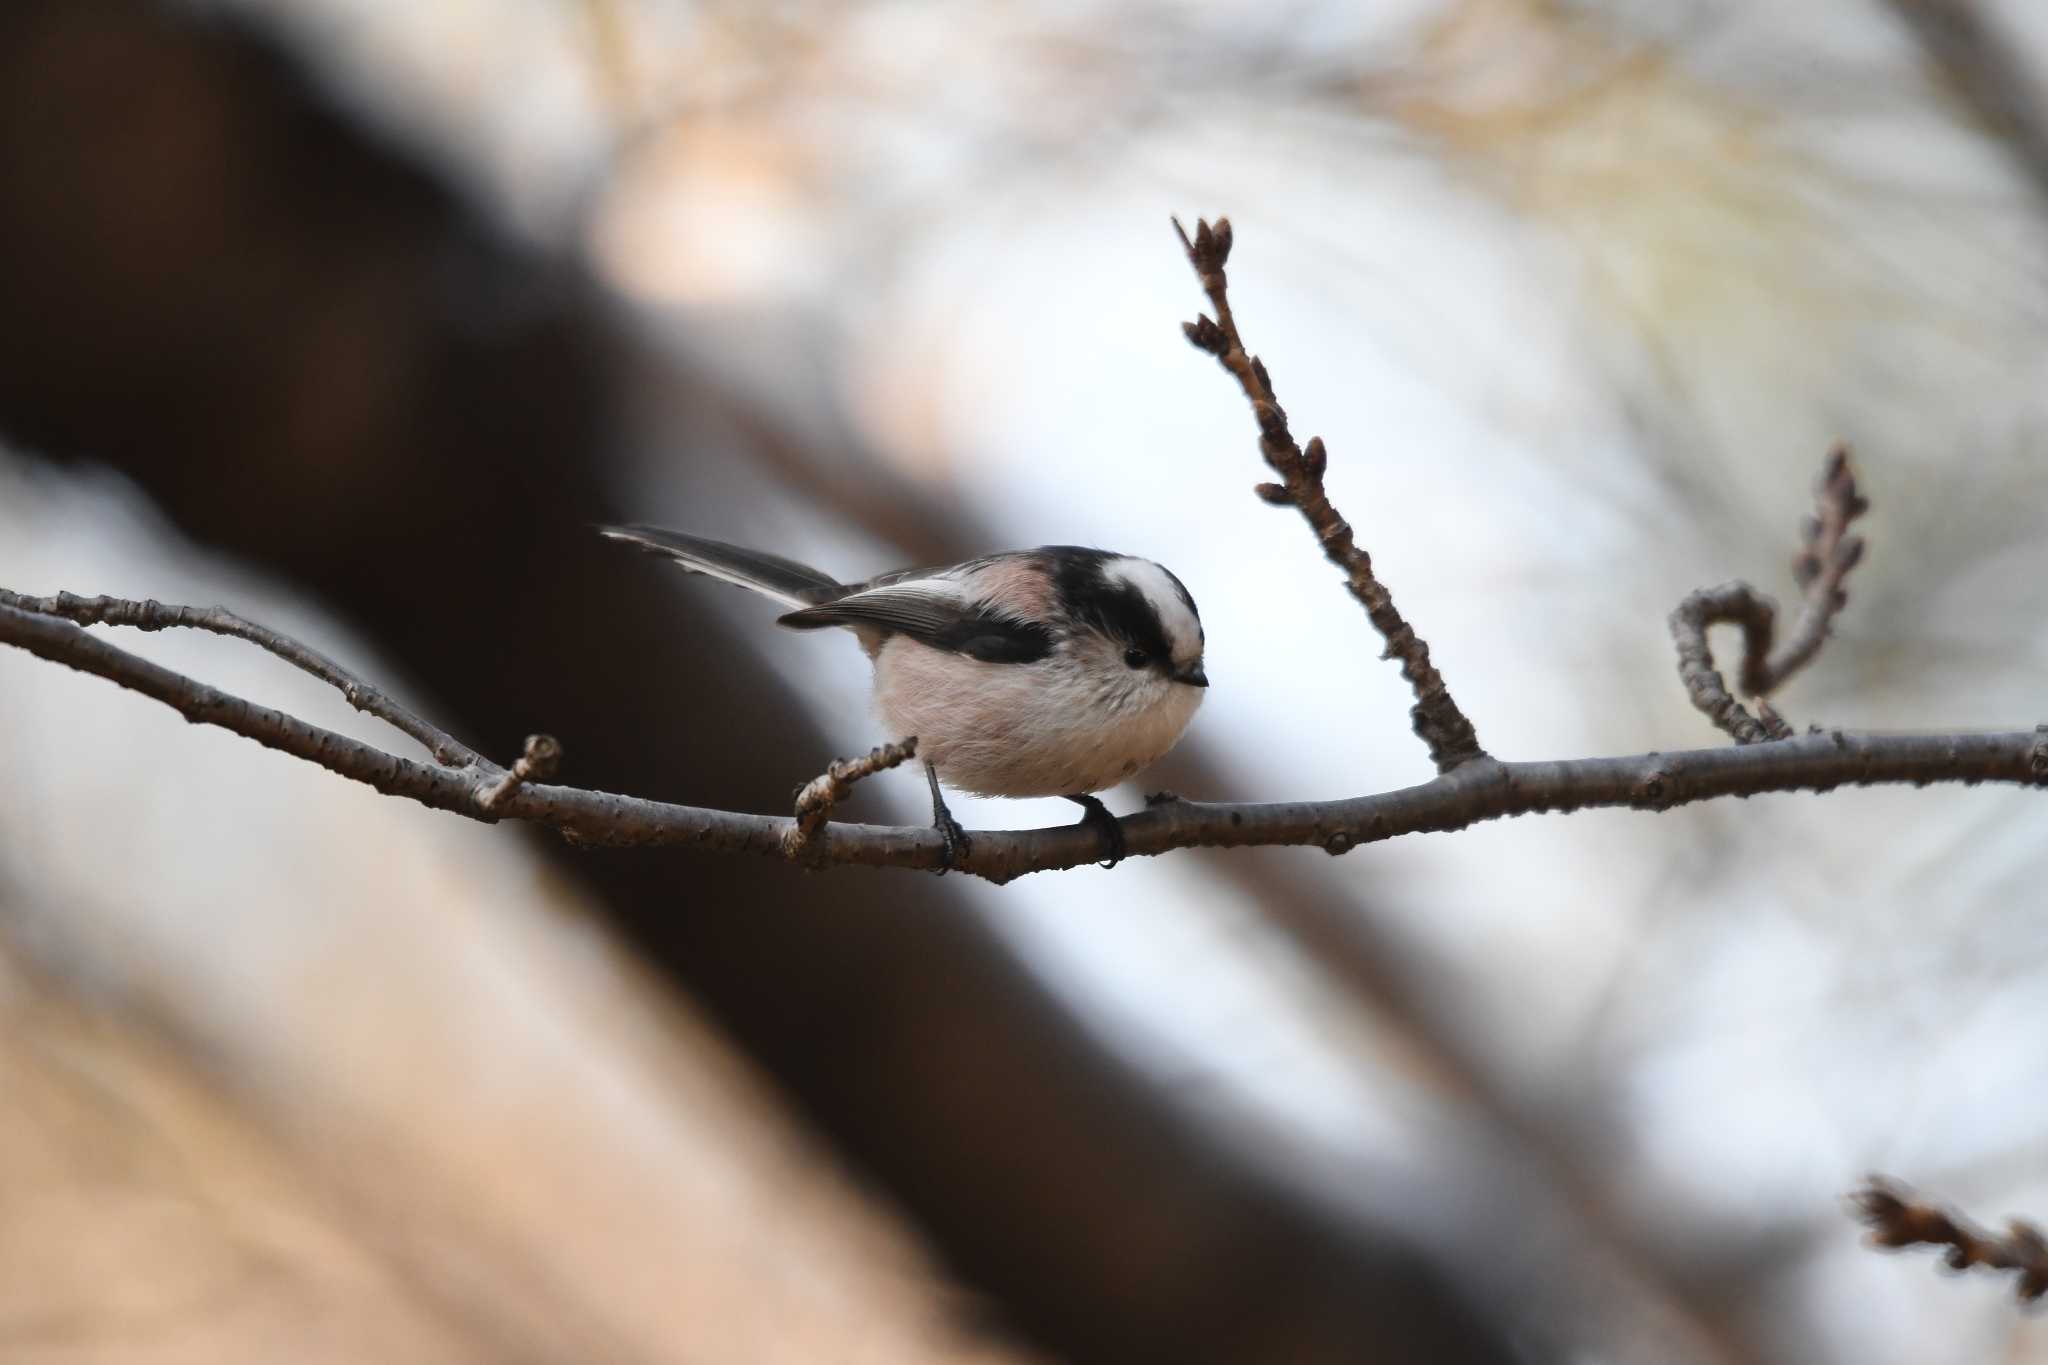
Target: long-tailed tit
(1051,672)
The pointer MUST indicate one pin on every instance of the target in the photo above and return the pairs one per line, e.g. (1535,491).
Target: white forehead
(1183,629)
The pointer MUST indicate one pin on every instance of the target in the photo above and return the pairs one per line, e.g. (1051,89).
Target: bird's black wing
(932,612)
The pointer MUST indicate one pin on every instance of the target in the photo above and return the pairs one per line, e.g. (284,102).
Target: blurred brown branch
(1985,69)
(1899,1217)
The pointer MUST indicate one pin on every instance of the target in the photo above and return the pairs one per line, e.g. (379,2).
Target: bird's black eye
(1136,658)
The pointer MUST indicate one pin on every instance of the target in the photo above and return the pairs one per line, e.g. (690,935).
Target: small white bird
(1051,672)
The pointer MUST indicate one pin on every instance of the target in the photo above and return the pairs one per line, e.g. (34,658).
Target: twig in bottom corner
(815,801)
(1899,1218)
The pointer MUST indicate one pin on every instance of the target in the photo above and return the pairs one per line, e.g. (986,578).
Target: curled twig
(1826,556)
(1899,1218)
(1730,604)
(536,764)
(1443,727)
(815,801)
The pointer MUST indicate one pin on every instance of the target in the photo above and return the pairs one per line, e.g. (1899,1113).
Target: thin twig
(543,753)
(1436,717)
(1484,789)
(1826,556)
(1898,1218)
(815,802)
(152,615)
(1820,568)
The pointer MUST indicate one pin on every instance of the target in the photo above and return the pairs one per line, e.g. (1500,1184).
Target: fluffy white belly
(1027,729)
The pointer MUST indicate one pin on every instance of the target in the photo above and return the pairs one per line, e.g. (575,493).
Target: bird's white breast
(1041,729)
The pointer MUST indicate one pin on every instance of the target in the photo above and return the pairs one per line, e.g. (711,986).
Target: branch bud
(1315,457)
(1205,334)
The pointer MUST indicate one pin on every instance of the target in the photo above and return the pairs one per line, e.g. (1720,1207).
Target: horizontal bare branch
(1484,789)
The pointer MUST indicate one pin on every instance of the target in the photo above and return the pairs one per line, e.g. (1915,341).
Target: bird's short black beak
(1193,677)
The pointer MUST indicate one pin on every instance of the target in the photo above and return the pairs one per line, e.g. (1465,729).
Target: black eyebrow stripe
(1115,608)
(1123,611)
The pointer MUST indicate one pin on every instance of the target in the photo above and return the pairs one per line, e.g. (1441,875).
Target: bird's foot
(953,839)
(1097,817)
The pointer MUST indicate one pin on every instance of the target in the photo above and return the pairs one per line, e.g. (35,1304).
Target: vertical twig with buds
(1443,727)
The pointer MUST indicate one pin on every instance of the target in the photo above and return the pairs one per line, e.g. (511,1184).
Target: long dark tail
(785,580)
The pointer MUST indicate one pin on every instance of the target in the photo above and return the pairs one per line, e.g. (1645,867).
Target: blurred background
(354,314)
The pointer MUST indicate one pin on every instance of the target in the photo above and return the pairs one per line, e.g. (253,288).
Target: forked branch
(153,616)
